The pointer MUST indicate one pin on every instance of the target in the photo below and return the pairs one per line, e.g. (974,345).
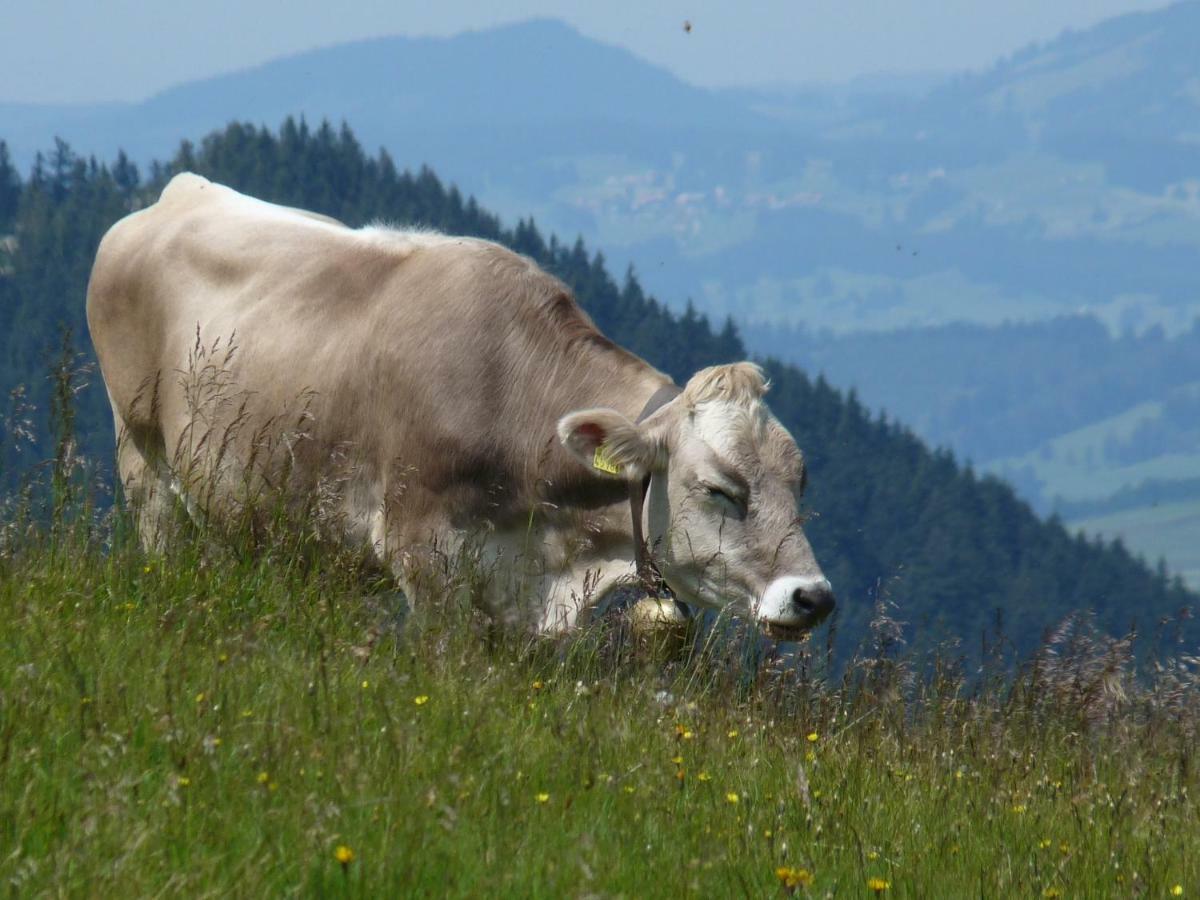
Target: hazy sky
(88,50)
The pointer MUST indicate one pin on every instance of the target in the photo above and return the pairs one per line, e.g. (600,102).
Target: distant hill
(1004,391)
(538,84)
(1127,85)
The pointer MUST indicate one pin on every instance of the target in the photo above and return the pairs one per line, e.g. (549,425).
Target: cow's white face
(723,507)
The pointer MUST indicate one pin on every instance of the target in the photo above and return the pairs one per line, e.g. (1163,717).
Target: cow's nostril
(815,603)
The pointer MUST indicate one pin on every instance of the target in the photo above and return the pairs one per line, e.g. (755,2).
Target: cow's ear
(609,444)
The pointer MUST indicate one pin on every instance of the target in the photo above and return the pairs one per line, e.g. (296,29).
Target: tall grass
(255,713)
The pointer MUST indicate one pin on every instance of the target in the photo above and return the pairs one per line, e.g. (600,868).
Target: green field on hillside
(1169,530)
(1074,466)
(219,722)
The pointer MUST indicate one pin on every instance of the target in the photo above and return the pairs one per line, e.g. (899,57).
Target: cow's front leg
(569,598)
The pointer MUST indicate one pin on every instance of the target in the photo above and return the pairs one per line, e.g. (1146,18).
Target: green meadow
(236,719)
(1171,530)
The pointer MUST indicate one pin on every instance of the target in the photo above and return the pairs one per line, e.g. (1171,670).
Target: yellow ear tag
(604,462)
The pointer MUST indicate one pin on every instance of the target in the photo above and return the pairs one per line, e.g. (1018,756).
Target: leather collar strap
(648,575)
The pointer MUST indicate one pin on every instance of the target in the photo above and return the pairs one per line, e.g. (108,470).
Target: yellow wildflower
(421,699)
(1018,808)
(813,737)
(200,697)
(733,732)
(1177,891)
(733,797)
(543,797)
(365,684)
(878,885)
(704,776)
(343,855)
(537,685)
(1051,892)
(1044,843)
(872,855)
(263,777)
(792,878)
(183,781)
(678,760)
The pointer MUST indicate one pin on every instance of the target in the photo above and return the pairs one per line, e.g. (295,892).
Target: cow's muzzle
(792,605)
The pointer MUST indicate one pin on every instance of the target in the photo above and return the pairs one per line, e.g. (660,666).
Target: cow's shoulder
(475,265)
(188,187)
(188,192)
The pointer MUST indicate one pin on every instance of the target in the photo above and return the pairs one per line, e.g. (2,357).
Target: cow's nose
(796,601)
(814,601)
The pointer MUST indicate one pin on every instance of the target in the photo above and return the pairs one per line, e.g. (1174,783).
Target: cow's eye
(722,496)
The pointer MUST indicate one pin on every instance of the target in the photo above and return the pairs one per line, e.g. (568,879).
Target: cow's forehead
(748,436)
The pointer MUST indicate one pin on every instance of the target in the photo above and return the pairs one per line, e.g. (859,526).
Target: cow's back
(205,263)
(439,355)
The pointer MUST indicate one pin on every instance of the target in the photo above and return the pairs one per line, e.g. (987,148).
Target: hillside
(1064,411)
(890,519)
(217,722)
(1008,390)
(1170,529)
(1125,92)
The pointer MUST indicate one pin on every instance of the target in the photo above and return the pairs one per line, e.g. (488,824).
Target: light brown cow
(445,396)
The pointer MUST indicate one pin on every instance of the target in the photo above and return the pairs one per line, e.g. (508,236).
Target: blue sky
(92,50)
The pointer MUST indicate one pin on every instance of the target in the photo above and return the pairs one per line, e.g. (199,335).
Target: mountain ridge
(369,79)
(1135,76)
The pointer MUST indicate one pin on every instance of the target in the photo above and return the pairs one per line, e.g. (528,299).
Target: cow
(449,399)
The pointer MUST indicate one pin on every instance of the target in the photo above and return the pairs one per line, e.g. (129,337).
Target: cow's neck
(626,384)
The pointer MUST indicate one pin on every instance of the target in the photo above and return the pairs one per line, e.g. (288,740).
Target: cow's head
(722,511)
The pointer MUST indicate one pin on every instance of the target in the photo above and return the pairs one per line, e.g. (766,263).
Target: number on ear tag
(604,462)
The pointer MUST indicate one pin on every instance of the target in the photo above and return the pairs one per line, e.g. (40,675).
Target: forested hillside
(1006,390)
(890,517)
